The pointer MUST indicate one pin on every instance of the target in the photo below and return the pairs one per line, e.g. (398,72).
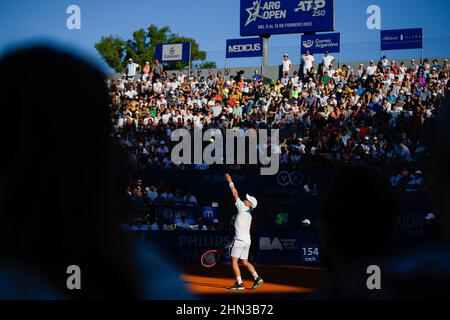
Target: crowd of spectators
(145,201)
(327,115)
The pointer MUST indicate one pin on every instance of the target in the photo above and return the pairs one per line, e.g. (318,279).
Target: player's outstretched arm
(232,188)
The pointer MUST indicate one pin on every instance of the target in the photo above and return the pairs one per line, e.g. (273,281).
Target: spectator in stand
(147,72)
(310,187)
(158,225)
(200,226)
(131,69)
(152,193)
(286,64)
(327,60)
(256,76)
(167,196)
(189,198)
(181,222)
(178,198)
(333,112)
(308,62)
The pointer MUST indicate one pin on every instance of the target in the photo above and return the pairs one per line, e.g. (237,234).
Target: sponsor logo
(308,44)
(172,52)
(244,48)
(270,10)
(269,244)
(320,43)
(285,178)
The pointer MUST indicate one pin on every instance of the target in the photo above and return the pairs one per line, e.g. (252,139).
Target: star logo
(253,12)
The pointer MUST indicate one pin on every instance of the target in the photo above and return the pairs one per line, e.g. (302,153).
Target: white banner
(172,52)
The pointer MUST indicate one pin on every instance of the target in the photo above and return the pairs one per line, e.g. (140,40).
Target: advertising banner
(244,48)
(266,17)
(401,39)
(173,52)
(171,214)
(319,43)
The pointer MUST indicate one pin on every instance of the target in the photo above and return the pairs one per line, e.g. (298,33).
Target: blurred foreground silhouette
(63,184)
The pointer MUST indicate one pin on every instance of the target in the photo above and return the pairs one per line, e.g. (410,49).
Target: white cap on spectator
(430,216)
(306,221)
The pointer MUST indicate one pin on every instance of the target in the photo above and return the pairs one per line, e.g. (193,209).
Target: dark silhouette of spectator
(425,273)
(63,187)
(358,213)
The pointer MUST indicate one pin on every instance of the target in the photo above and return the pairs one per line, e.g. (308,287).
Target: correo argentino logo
(308,44)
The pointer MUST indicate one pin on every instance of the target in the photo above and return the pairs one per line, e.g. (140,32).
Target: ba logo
(294,178)
(308,44)
(267,244)
(172,51)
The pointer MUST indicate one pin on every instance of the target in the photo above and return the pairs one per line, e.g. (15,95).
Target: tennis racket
(212,257)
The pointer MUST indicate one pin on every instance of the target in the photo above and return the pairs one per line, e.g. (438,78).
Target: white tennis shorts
(240,249)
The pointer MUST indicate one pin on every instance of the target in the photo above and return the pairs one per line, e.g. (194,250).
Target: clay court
(280,281)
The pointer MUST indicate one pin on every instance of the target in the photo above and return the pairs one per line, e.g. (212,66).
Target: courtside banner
(401,39)
(173,52)
(319,43)
(244,48)
(266,17)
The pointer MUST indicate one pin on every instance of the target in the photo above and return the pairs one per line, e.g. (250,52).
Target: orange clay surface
(277,279)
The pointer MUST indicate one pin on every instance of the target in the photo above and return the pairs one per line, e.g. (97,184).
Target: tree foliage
(141,48)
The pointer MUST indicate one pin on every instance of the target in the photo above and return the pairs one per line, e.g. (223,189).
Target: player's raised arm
(232,188)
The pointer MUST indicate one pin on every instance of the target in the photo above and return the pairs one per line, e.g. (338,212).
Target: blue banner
(401,39)
(244,48)
(173,52)
(266,17)
(171,214)
(319,43)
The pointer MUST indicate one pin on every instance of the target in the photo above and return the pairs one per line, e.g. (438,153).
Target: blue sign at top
(401,39)
(266,17)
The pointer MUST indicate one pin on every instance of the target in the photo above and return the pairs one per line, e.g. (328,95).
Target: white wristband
(231,184)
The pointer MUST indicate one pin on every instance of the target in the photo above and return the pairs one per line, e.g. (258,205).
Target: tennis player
(241,243)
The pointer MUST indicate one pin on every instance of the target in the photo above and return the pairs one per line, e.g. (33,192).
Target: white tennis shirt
(242,222)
